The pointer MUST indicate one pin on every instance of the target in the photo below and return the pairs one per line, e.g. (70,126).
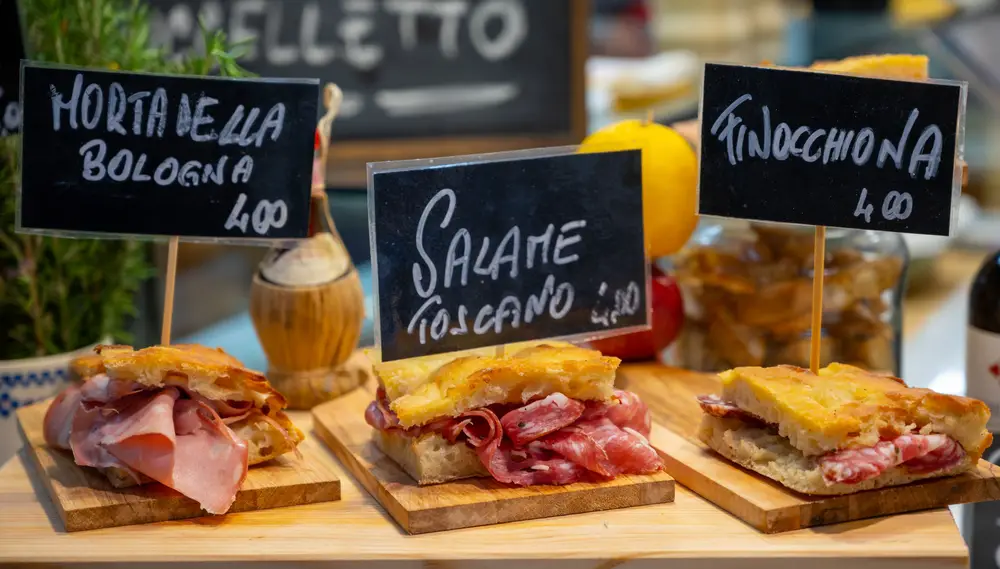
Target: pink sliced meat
(631,412)
(505,464)
(718,407)
(946,456)
(605,449)
(852,466)
(225,409)
(202,458)
(102,389)
(182,444)
(579,446)
(535,420)
(625,409)
(58,424)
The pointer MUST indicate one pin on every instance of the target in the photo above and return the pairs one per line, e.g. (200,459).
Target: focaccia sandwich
(843,430)
(187,416)
(545,414)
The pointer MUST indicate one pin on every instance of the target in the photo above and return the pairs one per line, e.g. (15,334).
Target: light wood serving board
(85,500)
(464,503)
(757,500)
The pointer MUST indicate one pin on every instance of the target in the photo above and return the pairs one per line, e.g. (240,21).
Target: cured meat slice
(857,465)
(603,448)
(718,407)
(58,424)
(102,389)
(578,444)
(535,420)
(505,464)
(625,409)
(944,457)
(182,444)
(630,413)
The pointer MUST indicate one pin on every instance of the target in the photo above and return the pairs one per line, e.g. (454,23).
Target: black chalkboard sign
(143,154)
(821,149)
(474,254)
(11,54)
(416,74)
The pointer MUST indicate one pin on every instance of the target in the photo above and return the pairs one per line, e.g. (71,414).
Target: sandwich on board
(187,416)
(842,431)
(545,414)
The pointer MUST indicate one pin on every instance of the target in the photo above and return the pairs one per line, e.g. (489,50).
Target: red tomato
(668,318)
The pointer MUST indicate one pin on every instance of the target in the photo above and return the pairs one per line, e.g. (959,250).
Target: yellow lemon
(669,180)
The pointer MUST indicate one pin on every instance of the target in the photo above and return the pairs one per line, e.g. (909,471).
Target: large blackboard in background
(11,54)
(823,149)
(421,78)
(552,246)
(203,157)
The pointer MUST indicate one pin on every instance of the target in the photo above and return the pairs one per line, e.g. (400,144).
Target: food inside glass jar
(749,301)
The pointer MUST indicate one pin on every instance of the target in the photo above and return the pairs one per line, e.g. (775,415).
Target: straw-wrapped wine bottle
(307,304)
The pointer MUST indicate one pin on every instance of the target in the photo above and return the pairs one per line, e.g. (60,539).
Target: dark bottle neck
(984,299)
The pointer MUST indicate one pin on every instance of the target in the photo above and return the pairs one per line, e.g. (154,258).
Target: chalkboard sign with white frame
(203,158)
(477,251)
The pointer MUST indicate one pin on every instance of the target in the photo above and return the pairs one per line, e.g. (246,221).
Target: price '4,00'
(265,216)
(895,206)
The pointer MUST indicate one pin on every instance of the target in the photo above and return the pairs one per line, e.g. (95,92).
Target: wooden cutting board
(757,500)
(470,502)
(86,500)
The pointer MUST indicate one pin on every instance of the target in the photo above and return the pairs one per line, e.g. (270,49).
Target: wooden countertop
(690,533)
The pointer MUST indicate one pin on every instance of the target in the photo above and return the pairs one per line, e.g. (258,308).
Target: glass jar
(747,289)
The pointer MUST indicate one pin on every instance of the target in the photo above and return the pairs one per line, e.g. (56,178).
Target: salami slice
(578,444)
(718,407)
(852,466)
(944,457)
(625,409)
(535,420)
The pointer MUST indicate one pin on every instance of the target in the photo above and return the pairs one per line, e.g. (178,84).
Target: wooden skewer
(168,291)
(649,117)
(499,351)
(819,263)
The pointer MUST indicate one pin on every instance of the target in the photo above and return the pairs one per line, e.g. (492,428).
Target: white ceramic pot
(26,381)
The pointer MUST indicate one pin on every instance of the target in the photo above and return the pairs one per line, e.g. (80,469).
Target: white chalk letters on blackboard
(147,114)
(827,145)
(554,299)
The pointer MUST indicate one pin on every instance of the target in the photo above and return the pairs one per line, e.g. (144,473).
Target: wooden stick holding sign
(168,290)
(819,261)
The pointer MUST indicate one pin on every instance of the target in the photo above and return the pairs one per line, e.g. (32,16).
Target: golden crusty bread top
(209,372)
(845,406)
(425,389)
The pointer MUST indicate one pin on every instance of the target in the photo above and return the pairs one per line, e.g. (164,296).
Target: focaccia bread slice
(429,458)
(422,391)
(847,407)
(212,374)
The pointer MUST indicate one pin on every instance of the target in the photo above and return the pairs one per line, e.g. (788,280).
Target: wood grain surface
(85,500)
(464,503)
(761,502)
(689,533)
